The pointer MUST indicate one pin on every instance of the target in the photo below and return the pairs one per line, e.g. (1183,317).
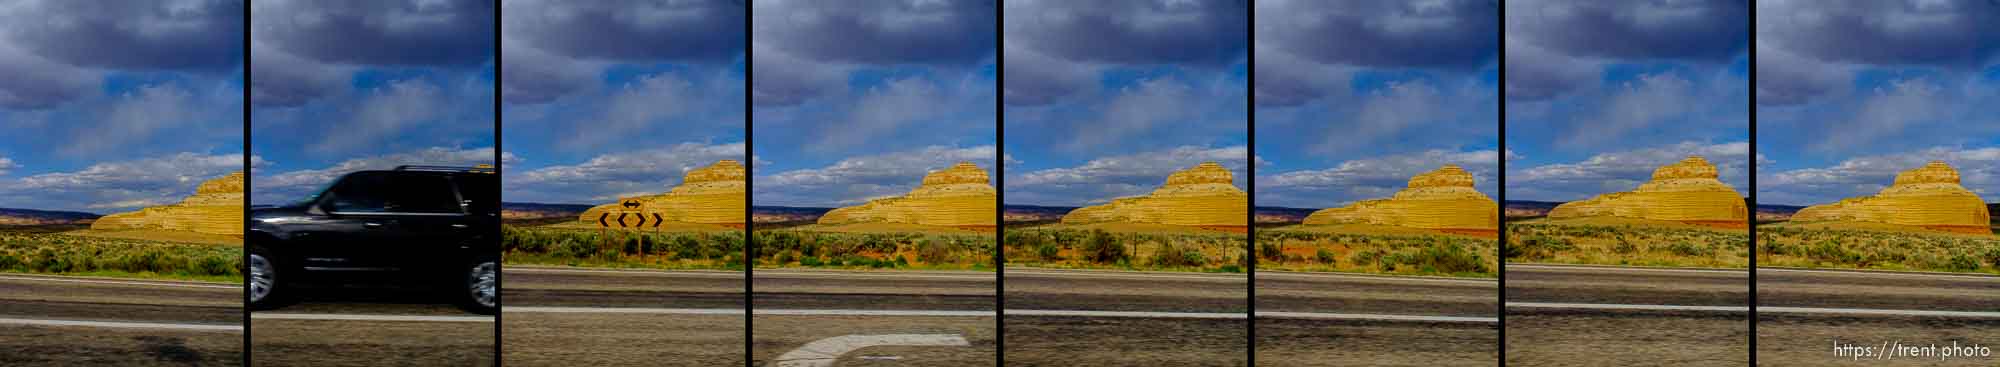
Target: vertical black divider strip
(1250,219)
(1500,251)
(499,171)
(749,180)
(999,182)
(1751,109)
(249,184)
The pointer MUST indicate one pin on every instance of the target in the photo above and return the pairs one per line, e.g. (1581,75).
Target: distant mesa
(707,195)
(216,208)
(1202,196)
(1442,200)
(1928,197)
(1686,191)
(955,197)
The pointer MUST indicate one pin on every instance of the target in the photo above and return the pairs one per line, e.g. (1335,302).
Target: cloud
(7,164)
(1439,34)
(271,188)
(1111,177)
(1807,49)
(1371,178)
(1069,37)
(1978,168)
(1623,171)
(296,41)
(1554,37)
(118,185)
(857,179)
(803,48)
(150,35)
(555,48)
(35,82)
(606,177)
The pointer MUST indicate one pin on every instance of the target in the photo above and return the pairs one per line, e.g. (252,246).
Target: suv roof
(483,168)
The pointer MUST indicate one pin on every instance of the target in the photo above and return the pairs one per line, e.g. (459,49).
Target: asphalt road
(585,317)
(1802,315)
(1599,316)
(1317,319)
(1127,318)
(58,320)
(371,325)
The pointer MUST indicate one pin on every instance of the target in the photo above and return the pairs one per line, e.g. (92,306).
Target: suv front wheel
(265,290)
(480,290)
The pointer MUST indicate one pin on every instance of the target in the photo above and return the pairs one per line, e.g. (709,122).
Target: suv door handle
(371,225)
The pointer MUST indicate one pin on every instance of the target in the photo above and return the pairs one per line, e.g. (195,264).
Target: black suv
(430,223)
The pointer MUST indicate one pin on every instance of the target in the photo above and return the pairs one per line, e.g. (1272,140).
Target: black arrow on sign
(657,220)
(600,219)
(642,220)
(621,219)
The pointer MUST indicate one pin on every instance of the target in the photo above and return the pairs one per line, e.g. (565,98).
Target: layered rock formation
(958,197)
(1927,196)
(216,208)
(710,195)
(1443,199)
(1200,196)
(1686,191)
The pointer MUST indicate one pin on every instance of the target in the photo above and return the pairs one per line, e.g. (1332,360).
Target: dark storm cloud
(1546,37)
(549,44)
(302,49)
(1052,45)
(1384,33)
(1296,40)
(879,32)
(132,34)
(805,47)
(398,33)
(1810,39)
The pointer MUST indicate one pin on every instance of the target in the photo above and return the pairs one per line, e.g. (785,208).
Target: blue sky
(1847,96)
(1354,98)
(1105,99)
(341,87)
(1599,94)
(111,108)
(858,100)
(607,99)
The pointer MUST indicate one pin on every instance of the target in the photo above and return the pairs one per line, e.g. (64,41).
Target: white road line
(1883,273)
(698,273)
(1370,317)
(1876,312)
(625,310)
(119,324)
(1277,274)
(1627,269)
(823,352)
(1131,314)
(1113,274)
(355,317)
(1623,307)
(120,282)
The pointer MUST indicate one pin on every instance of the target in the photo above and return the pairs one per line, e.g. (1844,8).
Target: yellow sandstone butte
(1202,196)
(710,195)
(1441,200)
(216,208)
(957,197)
(1686,192)
(1928,197)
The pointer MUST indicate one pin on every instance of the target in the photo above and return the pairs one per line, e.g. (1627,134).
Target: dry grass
(1138,247)
(1626,241)
(161,235)
(1364,248)
(1859,245)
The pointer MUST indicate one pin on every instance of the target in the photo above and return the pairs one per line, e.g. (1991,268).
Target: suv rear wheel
(265,290)
(480,291)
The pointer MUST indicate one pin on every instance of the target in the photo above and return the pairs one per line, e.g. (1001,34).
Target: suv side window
(480,192)
(371,192)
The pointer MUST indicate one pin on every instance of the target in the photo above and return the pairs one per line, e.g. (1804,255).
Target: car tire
(479,285)
(266,289)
